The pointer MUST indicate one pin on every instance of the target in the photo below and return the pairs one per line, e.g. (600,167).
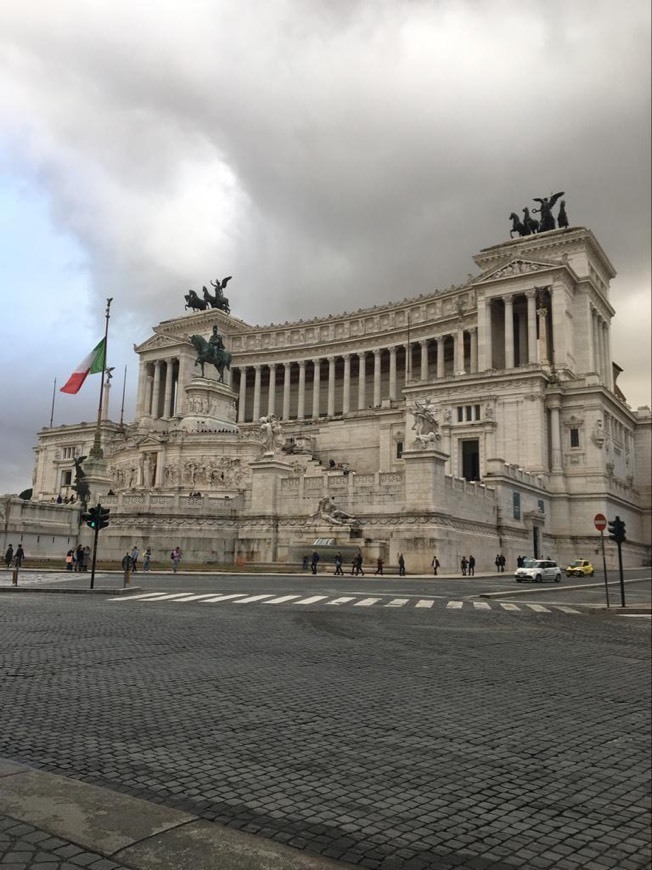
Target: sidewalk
(49,822)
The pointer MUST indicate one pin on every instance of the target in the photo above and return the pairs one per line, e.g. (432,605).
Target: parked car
(580,568)
(538,570)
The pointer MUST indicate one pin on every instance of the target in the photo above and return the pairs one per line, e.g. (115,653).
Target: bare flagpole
(54,392)
(122,407)
(96,449)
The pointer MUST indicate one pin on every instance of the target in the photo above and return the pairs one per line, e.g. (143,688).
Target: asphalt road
(383,735)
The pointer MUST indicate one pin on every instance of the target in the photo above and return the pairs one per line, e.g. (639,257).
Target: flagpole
(122,407)
(96,449)
(54,392)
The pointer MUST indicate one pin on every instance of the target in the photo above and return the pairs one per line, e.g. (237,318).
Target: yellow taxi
(580,568)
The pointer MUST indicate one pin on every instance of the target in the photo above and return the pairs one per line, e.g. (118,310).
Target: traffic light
(103,517)
(90,518)
(617,530)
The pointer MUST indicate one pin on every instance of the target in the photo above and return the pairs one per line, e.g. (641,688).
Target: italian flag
(90,365)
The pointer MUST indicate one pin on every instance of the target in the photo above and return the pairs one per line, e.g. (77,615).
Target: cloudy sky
(329,154)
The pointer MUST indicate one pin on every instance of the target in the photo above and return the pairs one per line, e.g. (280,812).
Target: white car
(538,570)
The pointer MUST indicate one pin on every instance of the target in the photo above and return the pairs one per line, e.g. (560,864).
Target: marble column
(596,342)
(542,314)
(392,373)
(156,394)
(331,386)
(271,396)
(474,349)
(159,468)
(509,331)
(242,401)
(362,386)
(607,354)
(180,393)
(301,396)
(287,374)
(424,360)
(346,387)
(441,362)
(555,438)
(315,388)
(459,352)
(377,378)
(483,338)
(530,295)
(142,389)
(257,382)
(167,397)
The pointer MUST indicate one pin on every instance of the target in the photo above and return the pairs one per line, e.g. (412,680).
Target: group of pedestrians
(78,559)
(15,557)
(468,566)
(500,562)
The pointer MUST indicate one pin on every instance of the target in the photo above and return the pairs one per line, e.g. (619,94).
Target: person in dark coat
(314,561)
(463,566)
(338,564)
(19,556)
(401,565)
(471,566)
(9,555)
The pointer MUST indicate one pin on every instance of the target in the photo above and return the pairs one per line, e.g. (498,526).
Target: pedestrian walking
(401,565)
(135,553)
(79,557)
(464,565)
(70,560)
(306,563)
(19,556)
(379,566)
(497,562)
(358,564)
(175,555)
(471,566)
(502,562)
(147,559)
(9,555)
(435,565)
(314,561)
(338,564)
(87,557)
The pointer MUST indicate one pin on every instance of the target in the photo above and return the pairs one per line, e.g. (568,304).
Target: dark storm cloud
(329,155)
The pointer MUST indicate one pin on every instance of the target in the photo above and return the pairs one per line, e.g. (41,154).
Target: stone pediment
(517,266)
(157,342)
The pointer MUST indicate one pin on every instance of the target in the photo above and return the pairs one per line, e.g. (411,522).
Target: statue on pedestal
(273,437)
(425,426)
(327,511)
(80,485)
(211,351)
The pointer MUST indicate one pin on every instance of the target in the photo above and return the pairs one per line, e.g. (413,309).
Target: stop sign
(600,522)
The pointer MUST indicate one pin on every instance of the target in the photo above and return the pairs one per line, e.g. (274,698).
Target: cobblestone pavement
(24,847)
(388,738)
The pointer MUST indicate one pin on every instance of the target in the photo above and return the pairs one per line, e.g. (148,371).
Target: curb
(136,832)
(539,587)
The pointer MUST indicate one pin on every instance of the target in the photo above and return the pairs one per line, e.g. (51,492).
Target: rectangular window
(574,437)
(469,413)
(460,415)
(470,459)
(517,505)
(542,506)
(399,449)
(66,478)
(477,412)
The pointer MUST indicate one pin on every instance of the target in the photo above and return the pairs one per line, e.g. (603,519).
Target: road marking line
(507,606)
(341,600)
(196,597)
(424,602)
(366,602)
(282,599)
(254,598)
(312,599)
(566,609)
(224,597)
(481,605)
(179,596)
(454,605)
(141,597)
(397,602)
(539,608)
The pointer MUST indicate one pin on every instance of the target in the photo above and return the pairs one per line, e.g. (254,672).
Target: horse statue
(517,226)
(531,225)
(208,353)
(80,485)
(218,301)
(222,301)
(193,301)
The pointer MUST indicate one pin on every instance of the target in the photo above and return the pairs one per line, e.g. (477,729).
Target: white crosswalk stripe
(282,599)
(352,600)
